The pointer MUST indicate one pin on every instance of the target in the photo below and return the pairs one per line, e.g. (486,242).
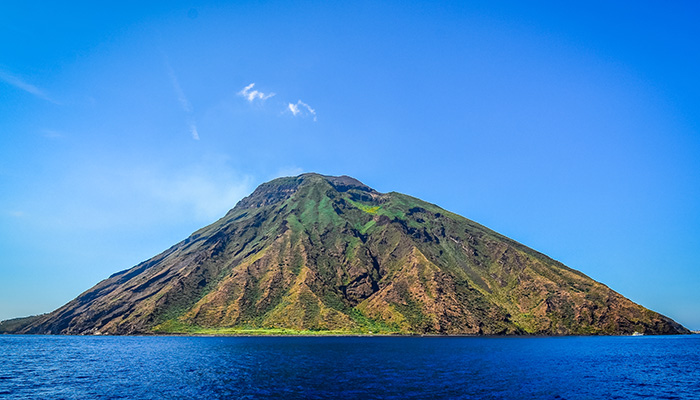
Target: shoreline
(339,335)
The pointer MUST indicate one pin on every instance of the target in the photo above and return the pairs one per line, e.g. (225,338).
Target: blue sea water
(70,367)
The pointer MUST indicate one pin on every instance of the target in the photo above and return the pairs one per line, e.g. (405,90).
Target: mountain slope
(321,253)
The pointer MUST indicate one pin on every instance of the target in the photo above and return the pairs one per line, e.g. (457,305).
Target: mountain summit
(326,253)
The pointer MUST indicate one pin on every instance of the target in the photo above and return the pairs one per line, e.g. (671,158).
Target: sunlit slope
(328,254)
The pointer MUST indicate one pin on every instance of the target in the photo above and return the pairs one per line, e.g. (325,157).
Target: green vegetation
(366,227)
(242,331)
(370,209)
(371,326)
(352,245)
(365,326)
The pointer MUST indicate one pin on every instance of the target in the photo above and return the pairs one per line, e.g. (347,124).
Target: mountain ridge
(319,253)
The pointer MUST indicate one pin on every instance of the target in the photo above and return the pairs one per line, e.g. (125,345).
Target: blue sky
(573,129)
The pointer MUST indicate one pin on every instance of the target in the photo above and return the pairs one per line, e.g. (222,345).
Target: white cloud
(294,109)
(252,95)
(301,108)
(297,109)
(22,85)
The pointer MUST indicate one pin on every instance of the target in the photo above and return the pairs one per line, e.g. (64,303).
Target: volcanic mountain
(318,253)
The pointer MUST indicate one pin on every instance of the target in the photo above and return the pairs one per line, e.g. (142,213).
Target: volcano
(317,254)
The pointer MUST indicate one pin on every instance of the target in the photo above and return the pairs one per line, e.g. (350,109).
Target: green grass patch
(364,207)
(370,326)
(367,226)
(174,326)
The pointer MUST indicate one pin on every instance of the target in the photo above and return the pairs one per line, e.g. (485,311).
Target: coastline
(272,334)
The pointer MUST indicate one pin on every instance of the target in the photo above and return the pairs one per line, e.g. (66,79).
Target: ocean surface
(109,367)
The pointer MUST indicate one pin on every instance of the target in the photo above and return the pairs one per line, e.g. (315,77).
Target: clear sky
(574,129)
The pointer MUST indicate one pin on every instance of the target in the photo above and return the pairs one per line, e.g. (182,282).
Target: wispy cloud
(51,134)
(252,95)
(193,131)
(22,85)
(287,171)
(301,109)
(139,196)
(182,99)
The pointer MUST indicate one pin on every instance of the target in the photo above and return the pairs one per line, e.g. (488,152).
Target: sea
(160,367)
